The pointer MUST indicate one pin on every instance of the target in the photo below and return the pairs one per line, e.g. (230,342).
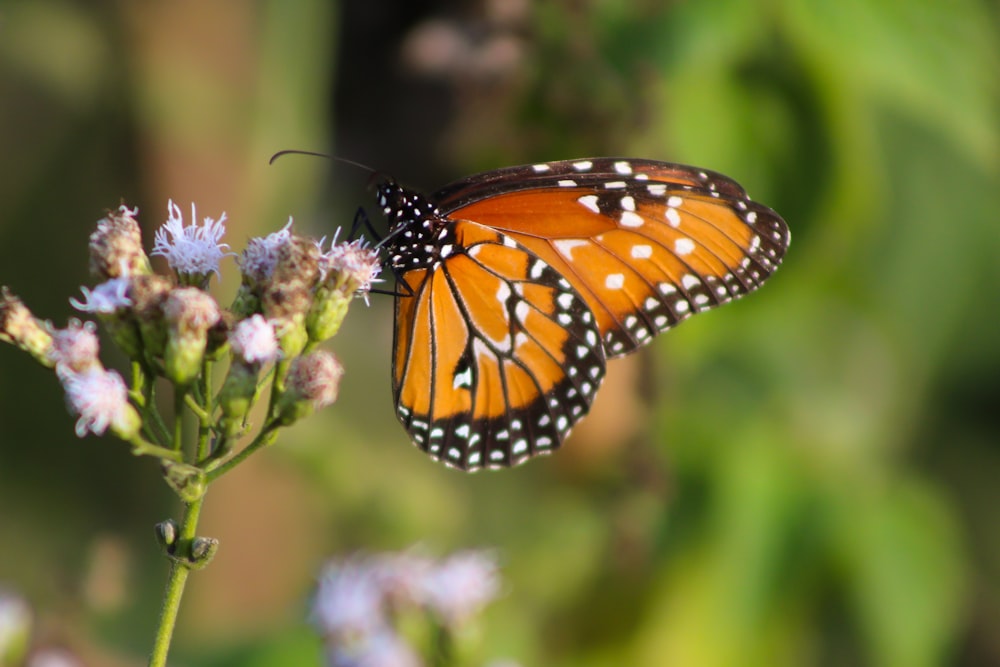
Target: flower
(382,649)
(100,398)
(258,260)
(74,349)
(189,310)
(116,246)
(313,382)
(355,266)
(460,586)
(53,657)
(106,298)
(193,250)
(189,313)
(254,340)
(349,599)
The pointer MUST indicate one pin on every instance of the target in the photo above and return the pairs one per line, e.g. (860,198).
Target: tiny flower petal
(100,398)
(254,340)
(106,298)
(193,249)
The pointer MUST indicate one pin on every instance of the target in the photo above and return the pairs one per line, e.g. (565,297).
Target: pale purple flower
(254,340)
(193,249)
(75,348)
(382,649)
(349,600)
(106,298)
(53,657)
(360,263)
(100,399)
(459,587)
(261,254)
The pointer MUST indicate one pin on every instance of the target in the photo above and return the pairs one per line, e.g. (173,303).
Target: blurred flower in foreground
(53,657)
(15,628)
(361,599)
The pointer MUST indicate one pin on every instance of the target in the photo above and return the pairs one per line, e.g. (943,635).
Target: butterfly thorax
(419,235)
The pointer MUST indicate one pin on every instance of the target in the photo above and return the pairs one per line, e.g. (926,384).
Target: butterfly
(515,286)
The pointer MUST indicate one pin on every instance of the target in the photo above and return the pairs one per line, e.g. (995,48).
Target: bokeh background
(810,476)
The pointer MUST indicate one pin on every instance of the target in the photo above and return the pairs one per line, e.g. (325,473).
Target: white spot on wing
(631,219)
(583,165)
(615,281)
(566,246)
(623,167)
(684,246)
(641,251)
(673,217)
(590,202)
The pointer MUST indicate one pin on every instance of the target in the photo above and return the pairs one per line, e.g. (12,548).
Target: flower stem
(179,571)
(263,439)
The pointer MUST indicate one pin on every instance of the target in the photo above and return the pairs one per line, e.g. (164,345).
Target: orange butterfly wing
(646,243)
(496,355)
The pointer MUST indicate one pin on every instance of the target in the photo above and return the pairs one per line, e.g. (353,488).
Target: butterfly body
(516,285)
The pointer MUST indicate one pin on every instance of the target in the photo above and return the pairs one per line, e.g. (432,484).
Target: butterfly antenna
(294,151)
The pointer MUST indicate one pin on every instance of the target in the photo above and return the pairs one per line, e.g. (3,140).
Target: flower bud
(116,246)
(347,270)
(148,294)
(20,327)
(186,480)
(100,399)
(312,383)
(189,313)
(75,348)
(258,260)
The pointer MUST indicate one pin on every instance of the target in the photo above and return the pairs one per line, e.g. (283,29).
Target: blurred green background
(810,476)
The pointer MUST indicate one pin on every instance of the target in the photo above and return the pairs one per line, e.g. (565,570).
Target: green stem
(205,412)
(178,439)
(263,439)
(175,587)
(142,447)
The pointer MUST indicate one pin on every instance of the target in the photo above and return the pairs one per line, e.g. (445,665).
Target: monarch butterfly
(515,286)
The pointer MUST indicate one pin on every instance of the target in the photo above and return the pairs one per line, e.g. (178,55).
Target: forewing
(645,243)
